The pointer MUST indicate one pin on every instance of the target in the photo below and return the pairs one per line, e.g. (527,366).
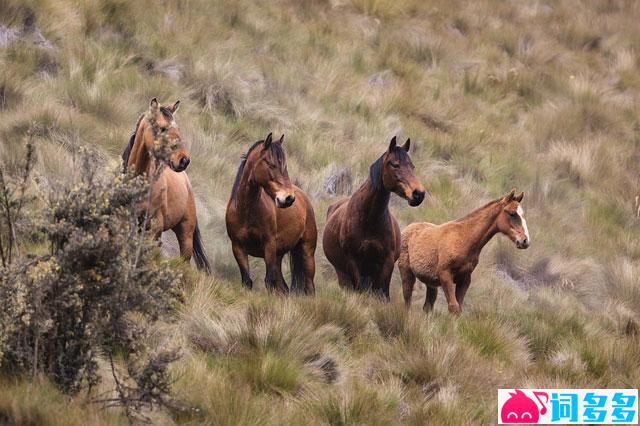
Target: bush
(95,293)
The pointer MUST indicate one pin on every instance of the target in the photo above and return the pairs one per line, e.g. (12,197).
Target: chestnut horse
(269,217)
(446,255)
(362,238)
(171,204)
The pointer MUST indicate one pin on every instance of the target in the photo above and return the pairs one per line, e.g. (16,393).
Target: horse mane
(375,171)
(127,151)
(276,150)
(166,112)
(479,209)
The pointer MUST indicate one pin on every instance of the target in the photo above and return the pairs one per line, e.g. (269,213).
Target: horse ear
(175,107)
(281,140)
(153,104)
(510,195)
(407,145)
(268,140)
(392,144)
(519,198)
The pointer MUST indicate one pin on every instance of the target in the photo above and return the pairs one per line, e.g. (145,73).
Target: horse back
(333,207)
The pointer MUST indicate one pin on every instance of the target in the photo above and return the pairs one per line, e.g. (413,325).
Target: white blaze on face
(524,223)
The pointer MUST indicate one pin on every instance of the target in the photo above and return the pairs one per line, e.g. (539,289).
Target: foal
(171,204)
(446,255)
(362,238)
(268,217)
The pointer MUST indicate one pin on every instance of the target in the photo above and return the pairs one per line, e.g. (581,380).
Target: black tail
(199,255)
(296,263)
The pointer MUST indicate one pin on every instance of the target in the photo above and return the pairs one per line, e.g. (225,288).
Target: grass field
(539,95)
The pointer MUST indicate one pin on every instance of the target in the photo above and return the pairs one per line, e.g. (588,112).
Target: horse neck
(140,155)
(373,203)
(248,193)
(481,225)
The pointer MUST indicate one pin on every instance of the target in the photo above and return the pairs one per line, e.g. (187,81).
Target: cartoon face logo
(519,408)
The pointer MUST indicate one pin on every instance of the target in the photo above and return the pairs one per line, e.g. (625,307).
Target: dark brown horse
(446,255)
(362,238)
(269,217)
(171,204)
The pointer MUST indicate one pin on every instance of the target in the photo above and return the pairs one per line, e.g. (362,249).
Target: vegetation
(540,95)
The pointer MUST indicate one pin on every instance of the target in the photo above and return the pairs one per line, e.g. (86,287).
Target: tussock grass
(540,96)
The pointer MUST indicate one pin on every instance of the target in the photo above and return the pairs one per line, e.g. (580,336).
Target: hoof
(455,309)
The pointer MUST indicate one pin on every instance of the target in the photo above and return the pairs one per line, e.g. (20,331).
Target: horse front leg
(281,284)
(446,281)
(383,280)
(462,285)
(272,267)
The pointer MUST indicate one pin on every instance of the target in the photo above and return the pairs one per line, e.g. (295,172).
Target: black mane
(127,151)
(375,171)
(276,150)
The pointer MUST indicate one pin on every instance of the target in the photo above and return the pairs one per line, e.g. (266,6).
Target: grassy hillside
(542,96)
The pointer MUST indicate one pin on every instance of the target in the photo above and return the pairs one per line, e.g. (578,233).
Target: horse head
(162,123)
(511,221)
(397,173)
(269,170)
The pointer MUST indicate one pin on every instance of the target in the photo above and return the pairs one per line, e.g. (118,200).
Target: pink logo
(519,408)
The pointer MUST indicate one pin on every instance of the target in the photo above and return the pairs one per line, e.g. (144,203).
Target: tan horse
(362,238)
(171,203)
(446,255)
(269,217)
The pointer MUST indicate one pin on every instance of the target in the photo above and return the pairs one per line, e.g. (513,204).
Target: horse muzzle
(417,197)
(523,243)
(183,163)
(283,201)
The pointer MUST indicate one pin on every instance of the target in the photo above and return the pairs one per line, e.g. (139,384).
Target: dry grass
(542,96)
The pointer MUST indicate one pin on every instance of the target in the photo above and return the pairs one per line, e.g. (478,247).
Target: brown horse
(171,204)
(446,255)
(362,238)
(268,217)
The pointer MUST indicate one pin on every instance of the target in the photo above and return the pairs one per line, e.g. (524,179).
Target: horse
(171,203)
(268,217)
(445,255)
(362,238)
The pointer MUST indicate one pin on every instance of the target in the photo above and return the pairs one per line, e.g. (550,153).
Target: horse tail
(296,264)
(199,255)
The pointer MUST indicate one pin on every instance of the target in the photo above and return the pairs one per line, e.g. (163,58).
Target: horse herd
(268,217)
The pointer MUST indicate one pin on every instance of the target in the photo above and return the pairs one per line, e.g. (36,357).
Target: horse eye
(513,214)
(395,165)
(164,129)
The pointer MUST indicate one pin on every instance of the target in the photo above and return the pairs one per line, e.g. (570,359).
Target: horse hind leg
(303,268)
(430,298)
(408,281)
(184,234)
